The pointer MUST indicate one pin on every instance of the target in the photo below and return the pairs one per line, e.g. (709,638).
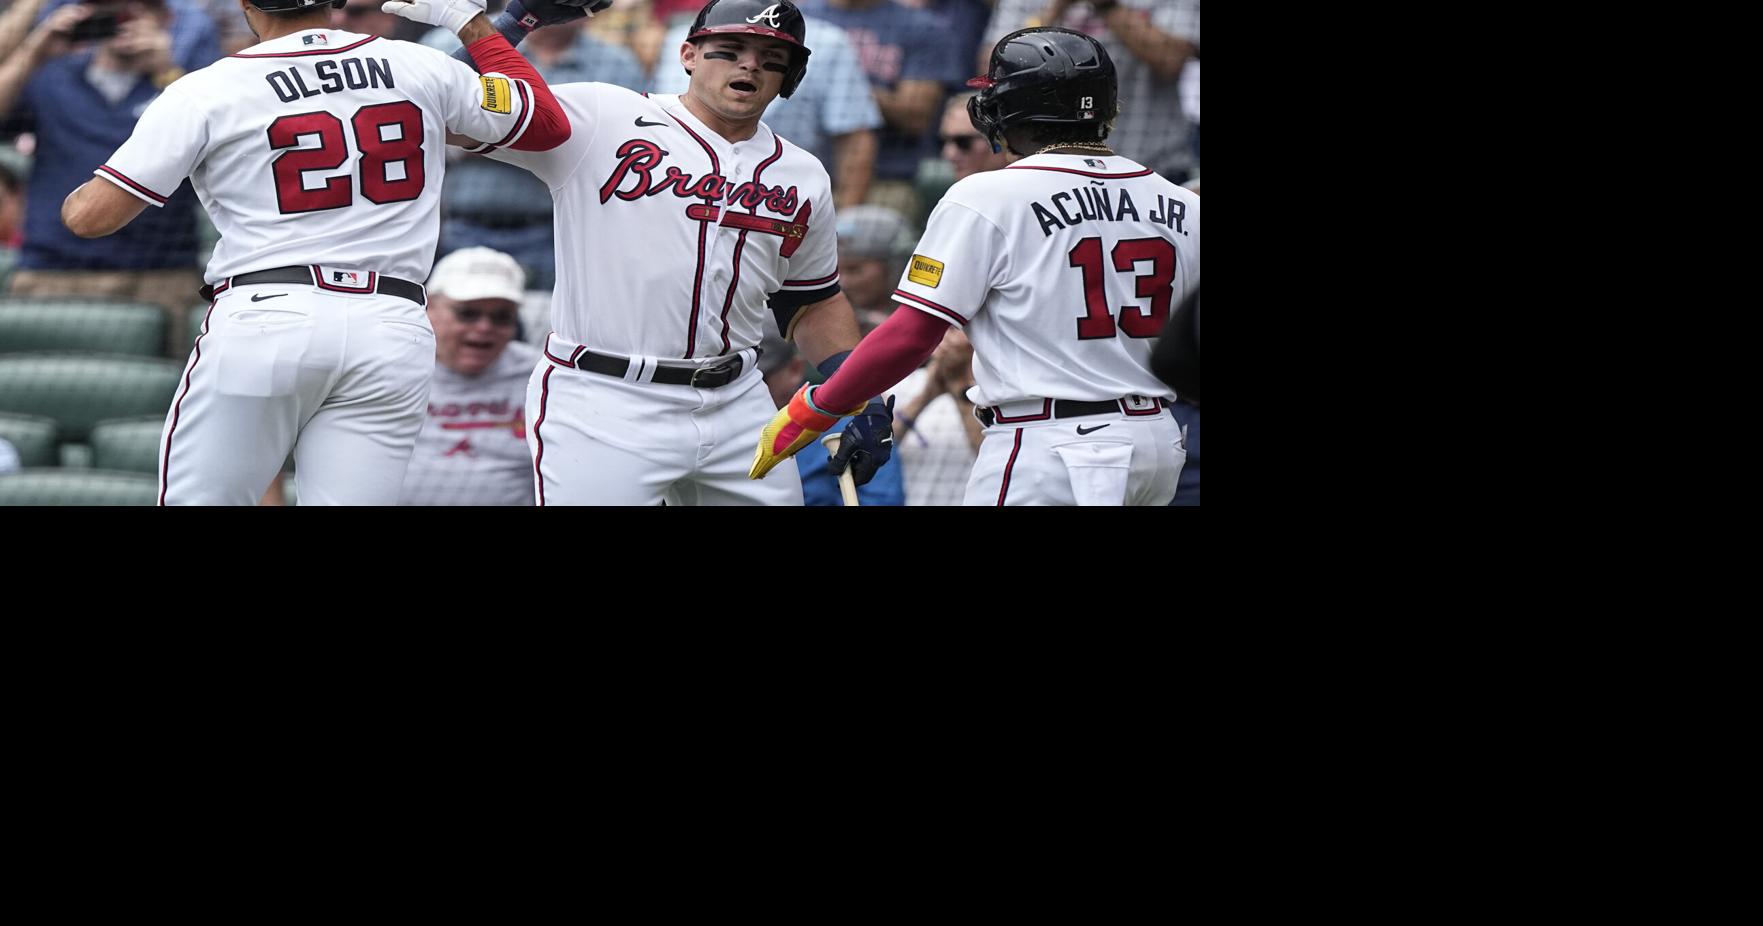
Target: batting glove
(866,443)
(531,14)
(795,426)
(451,15)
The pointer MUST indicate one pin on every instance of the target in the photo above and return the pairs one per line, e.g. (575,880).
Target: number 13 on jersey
(1155,284)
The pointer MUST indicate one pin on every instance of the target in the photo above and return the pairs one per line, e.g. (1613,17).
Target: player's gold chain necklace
(1087,147)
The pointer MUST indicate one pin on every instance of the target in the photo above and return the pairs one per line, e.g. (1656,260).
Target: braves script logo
(634,178)
(769,14)
(497,410)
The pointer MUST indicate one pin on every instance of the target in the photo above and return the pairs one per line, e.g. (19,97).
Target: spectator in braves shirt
(472,450)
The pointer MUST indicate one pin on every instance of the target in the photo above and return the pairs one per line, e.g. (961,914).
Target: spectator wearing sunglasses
(962,145)
(472,450)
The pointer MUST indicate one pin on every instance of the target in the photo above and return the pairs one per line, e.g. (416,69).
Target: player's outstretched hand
(451,15)
(795,426)
(535,13)
(866,442)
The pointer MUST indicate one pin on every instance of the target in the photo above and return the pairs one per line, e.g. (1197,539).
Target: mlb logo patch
(346,278)
(1094,163)
(314,40)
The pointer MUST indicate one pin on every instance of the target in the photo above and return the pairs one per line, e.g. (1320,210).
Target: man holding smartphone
(79,81)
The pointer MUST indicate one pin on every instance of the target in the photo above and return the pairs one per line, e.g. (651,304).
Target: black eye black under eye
(720,55)
(775,66)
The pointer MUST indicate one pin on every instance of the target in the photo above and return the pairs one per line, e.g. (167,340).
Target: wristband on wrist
(511,28)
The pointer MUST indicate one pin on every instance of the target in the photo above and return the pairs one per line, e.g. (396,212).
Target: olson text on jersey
(330,75)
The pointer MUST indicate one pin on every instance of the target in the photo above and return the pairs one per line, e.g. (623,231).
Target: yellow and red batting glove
(795,426)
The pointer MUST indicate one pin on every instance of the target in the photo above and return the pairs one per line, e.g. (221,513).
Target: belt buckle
(707,372)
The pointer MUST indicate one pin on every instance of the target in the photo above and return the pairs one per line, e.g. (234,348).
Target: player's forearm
(890,353)
(826,328)
(478,28)
(98,208)
(550,126)
(854,157)
(482,27)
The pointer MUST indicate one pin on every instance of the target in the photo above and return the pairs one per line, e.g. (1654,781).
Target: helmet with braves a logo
(776,20)
(1045,75)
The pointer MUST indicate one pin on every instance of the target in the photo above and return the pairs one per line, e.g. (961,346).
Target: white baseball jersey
(671,240)
(321,147)
(472,450)
(1062,269)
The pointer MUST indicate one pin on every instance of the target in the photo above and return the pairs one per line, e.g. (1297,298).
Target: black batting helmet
(1045,75)
(282,6)
(780,20)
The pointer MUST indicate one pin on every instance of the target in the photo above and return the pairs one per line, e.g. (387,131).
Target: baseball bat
(847,485)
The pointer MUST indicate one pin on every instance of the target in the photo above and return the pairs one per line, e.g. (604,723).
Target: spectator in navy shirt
(910,58)
(81,98)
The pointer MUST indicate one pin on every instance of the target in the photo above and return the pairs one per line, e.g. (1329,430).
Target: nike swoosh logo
(640,122)
(1083,430)
(261,298)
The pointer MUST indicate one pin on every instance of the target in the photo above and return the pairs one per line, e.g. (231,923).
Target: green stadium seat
(79,390)
(75,455)
(127,444)
(32,436)
(61,487)
(71,323)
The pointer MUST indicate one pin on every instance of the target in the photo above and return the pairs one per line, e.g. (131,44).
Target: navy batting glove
(531,14)
(866,443)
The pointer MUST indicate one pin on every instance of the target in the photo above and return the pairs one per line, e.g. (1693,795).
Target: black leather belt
(389,286)
(702,377)
(1063,408)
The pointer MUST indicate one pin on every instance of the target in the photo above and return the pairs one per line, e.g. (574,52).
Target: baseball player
(1062,269)
(318,153)
(683,222)
(473,450)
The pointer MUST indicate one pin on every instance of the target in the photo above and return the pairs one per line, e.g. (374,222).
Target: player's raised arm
(490,53)
(519,19)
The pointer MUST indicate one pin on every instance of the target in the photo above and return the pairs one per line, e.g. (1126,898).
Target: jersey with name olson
(321,147)
(671,240)
(1062,269)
